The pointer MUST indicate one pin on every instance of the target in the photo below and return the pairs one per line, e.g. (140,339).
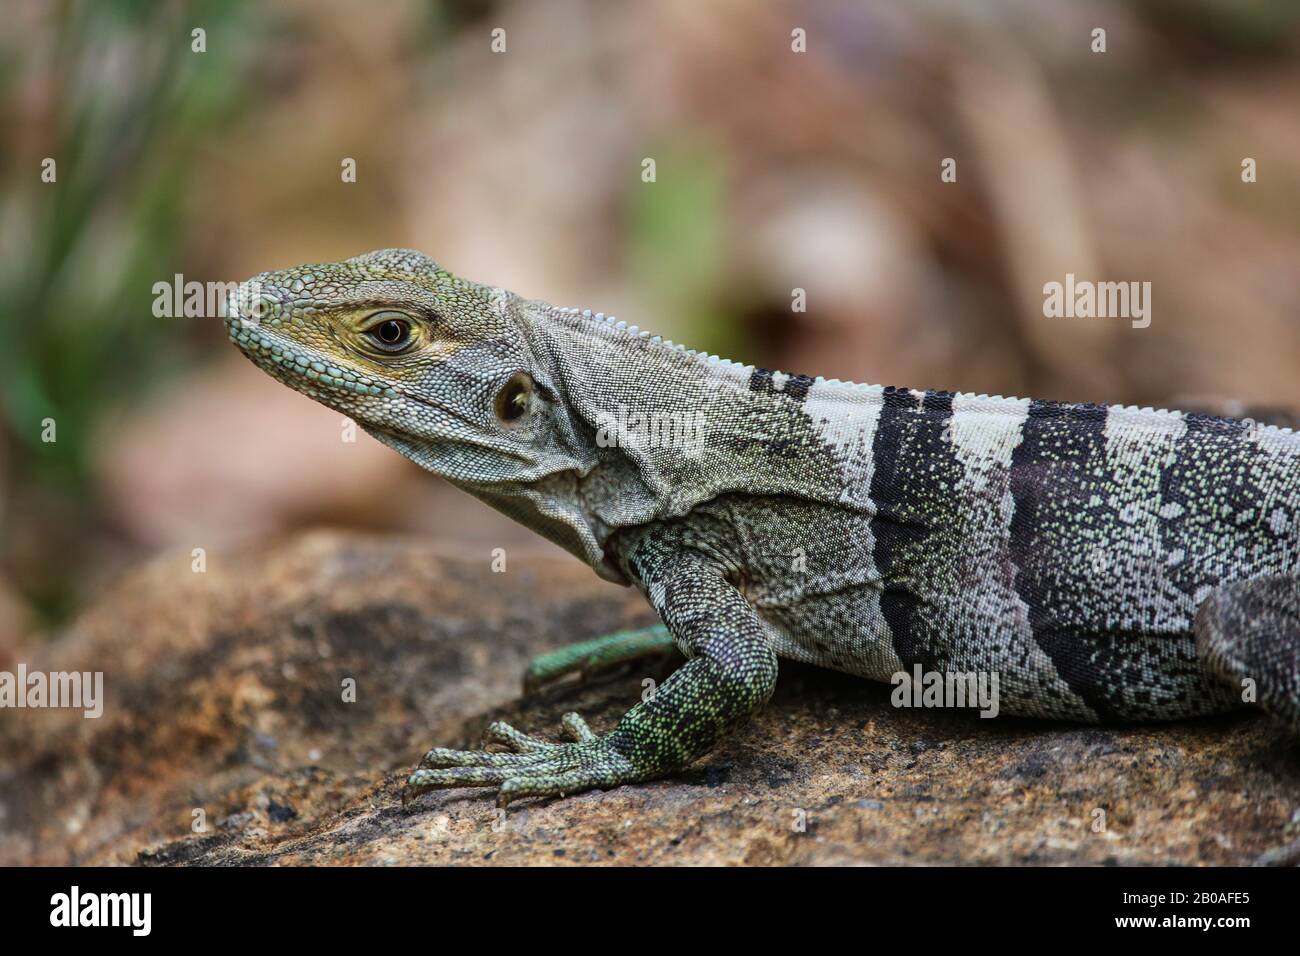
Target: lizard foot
(531,768)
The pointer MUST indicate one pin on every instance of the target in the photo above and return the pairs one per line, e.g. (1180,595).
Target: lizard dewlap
(1105,563)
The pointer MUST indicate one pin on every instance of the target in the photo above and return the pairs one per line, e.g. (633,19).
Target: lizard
(1108,563)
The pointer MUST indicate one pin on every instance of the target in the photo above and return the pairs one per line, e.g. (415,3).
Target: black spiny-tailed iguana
(1104,562)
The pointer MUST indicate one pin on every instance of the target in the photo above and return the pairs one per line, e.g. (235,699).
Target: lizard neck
(668,427)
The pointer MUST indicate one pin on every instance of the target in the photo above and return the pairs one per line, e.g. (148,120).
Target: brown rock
(223,695)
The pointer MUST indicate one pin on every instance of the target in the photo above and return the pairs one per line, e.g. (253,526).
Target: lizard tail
(1248,632)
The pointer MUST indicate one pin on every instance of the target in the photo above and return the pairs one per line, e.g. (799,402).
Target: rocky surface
(225,707)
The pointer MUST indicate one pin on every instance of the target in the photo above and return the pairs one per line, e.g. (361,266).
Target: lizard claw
(531,768)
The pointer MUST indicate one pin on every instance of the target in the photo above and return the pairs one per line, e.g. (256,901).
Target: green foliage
(128,105)
(675,240)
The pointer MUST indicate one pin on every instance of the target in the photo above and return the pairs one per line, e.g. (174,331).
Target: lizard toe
(537,768)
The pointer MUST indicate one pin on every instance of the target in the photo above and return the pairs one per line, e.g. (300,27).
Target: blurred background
(775,170)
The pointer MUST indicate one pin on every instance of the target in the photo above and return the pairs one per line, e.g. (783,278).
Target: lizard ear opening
(514,398)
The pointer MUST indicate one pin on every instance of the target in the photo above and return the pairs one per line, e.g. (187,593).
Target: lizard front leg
(731,672)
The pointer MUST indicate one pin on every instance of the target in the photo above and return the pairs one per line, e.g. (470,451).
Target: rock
(226,739)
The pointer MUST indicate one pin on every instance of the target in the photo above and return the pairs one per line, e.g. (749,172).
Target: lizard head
(435,366)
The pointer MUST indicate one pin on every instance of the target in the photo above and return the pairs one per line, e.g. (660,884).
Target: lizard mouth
(297,367)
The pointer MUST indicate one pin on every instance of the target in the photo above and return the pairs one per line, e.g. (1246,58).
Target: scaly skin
(588,657)
(1068,548)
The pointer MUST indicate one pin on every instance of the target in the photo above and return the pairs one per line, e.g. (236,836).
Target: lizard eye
(392,333)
